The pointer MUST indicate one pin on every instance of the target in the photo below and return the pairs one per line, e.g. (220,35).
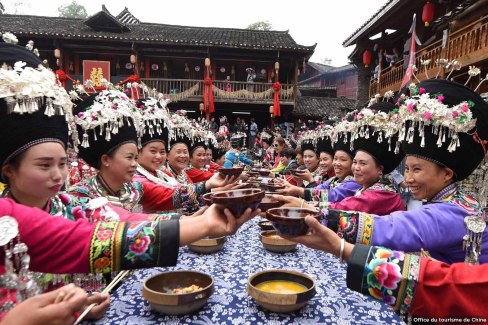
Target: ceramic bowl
(272,186)
(281,302)
(275,243)
(291,221)
(207,198)
(237,201)
(262,171)
(232,171)
(297,172)
(265,225)
(269,203)
(158,291)
(208,245)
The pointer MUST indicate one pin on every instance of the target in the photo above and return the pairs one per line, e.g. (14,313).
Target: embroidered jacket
(333,190)
(139,197)
(197,175)
(438,226)
(419,287)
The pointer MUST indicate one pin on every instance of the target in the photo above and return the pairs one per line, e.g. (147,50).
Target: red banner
(96,71)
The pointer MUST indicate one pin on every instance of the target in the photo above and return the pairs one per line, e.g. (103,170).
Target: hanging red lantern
(428,13)
(366,58)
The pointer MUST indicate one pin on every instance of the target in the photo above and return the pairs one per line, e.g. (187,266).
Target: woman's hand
(218,181)
(102,301)
(58,307)
(292,202)
(303,175)
(319,237)
(229,187)
(223,222)
(289,188)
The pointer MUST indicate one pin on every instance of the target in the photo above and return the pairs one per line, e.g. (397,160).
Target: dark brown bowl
(237,201)
(281,302)
(291,221)
(272,187)
(297,172)
(265,225)
(208,245)
(158,291)
(253,173)
(207,199)
(262,172)
(275,243)
(232,171)
(269,203)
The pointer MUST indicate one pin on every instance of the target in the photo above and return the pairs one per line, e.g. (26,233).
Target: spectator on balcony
(227,85)
(377,69)
(251,75)
(392,58)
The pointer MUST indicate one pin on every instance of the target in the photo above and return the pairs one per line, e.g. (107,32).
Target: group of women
(141,202)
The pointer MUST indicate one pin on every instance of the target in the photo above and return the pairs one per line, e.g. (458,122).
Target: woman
(82,247)
(414,286)
(266,141)
(450,224)
(218,153)
(109,143)
(279,145)
(313,173)
(234,155)
(198,161)
(326,157)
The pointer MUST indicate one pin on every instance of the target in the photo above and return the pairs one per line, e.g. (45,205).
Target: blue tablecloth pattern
(243,255)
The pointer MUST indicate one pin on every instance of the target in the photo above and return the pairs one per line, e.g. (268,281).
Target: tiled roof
(370,21)
(453,13)
(73,28)
(343,68)
(319,66)
(319,107)
(126,17)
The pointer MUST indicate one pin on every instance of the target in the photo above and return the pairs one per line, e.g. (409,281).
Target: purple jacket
(332,190)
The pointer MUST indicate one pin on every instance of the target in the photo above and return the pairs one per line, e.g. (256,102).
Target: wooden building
(458,31)
(172,59)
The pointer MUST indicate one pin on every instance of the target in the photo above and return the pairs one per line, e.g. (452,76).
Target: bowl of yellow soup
(178,292)
(275,243)
(281,291)
(208,245)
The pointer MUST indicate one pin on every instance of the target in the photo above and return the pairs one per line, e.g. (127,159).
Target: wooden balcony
(223,91)
(468,46)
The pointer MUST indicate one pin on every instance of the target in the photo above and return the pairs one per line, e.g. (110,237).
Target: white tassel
(17,107)
(49,108)
(85,143)
(107,135)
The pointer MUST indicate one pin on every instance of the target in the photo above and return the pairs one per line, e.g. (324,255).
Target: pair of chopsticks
(111,285)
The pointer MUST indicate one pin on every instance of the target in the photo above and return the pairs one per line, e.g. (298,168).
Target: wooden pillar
(147,71)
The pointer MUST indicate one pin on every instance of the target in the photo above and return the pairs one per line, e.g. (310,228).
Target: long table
(243,255)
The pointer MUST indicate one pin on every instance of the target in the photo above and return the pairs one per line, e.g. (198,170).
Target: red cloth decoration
(428,13)
(62,76)
(134,91)
(276,102)
(208,99)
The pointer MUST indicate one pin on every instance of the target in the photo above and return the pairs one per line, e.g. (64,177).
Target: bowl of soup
(291,221)
(268,202)
(208,245)
(231,171)
(297,172)
(178,292)
(265,225)
(237,201)
(275,243)
(281,291)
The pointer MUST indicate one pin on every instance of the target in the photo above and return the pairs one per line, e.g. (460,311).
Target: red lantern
(366,58)
(428,13)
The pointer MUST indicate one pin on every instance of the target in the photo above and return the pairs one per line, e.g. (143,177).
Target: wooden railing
(224,91)
(468,46)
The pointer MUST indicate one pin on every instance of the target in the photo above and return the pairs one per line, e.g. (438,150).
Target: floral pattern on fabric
(391,276)
(230,303)
(106,236)
(128,198)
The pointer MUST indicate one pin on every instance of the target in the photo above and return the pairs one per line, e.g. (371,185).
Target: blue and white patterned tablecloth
(243,255)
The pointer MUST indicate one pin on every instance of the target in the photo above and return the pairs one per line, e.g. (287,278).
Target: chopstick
(111,285)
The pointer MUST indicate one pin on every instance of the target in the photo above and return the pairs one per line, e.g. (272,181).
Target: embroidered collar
(445,194)
(126,196)
(159,178)
(182,177)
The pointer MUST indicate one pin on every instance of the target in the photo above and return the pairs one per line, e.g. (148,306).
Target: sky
(325,22)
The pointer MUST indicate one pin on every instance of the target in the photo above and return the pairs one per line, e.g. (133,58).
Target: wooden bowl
(237,201)
(158,291)
(262,171)
(269,203)
(272,187)
(231,171)
(207,199)
(253,173)
(265,225)
(281,302)
(297,172)
(208,245)
(291,221)
(275,243)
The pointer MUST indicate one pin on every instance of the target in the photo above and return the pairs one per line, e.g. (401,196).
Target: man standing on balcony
(253,131)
